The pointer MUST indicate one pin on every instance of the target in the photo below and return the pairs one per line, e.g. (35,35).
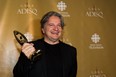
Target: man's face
(52,29)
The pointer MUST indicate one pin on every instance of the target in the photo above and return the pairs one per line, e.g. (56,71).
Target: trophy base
(36,56)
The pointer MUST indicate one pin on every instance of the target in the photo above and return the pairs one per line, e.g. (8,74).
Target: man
(56,59)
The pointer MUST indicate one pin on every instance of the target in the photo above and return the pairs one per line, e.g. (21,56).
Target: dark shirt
(53,59)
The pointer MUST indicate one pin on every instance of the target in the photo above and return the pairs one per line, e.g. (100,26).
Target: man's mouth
(55,32)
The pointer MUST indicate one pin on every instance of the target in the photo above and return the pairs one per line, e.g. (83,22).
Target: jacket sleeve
(73,71)
(22,67)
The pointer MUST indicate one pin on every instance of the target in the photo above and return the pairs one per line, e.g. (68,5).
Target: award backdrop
(90,27)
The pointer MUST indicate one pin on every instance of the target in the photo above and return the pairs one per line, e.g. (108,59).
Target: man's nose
(55,27)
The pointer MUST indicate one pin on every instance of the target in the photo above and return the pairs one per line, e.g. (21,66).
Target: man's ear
(42,30)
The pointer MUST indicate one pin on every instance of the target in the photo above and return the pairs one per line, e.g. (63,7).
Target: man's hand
(28,49)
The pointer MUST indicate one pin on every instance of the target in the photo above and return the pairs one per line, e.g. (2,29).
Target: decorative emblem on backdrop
(62,6)
(95,38)
(97,73)
(94,12)
(27,8)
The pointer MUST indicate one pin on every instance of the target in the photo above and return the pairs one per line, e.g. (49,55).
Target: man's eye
(51,25)
(59,25)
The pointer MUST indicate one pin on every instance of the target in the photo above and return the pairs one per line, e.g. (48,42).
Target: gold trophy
(21,40)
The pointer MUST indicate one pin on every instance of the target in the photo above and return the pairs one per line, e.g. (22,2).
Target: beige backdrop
(90,27)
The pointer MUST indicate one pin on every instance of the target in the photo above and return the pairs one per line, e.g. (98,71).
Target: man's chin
(55,39)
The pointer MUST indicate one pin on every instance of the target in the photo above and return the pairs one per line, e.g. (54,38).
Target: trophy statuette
(21,39)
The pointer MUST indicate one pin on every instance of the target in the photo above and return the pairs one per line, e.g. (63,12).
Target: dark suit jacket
(26,68)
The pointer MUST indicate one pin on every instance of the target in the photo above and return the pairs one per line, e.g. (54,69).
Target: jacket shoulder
(38,43)
(67,45)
